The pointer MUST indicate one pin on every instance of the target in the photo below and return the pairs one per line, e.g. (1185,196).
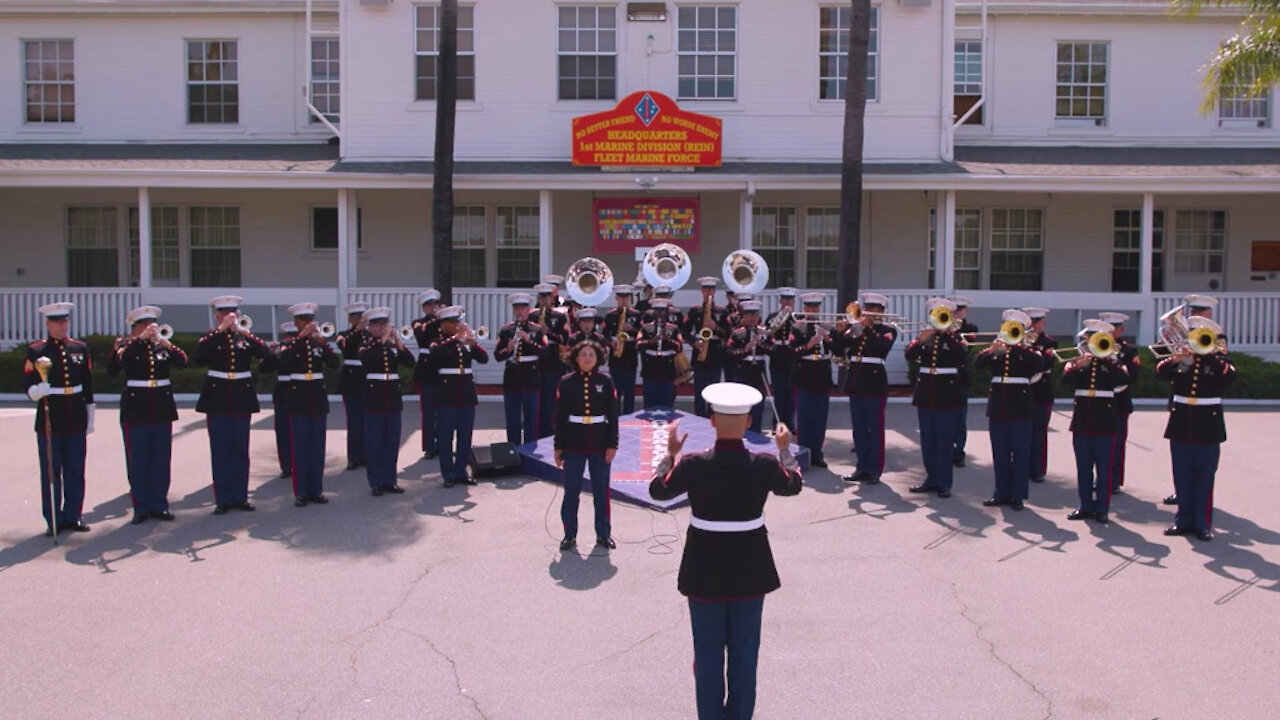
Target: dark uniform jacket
(143,360)
(351,375)
(1128,355)
(586,395)
(1095,415)
(658,344)
(966,328)
(867,351)
(1205,376)
(813,365)
(782,358)
(455,389)
(553,329)
(674,315)
(230,352)
(629,357)
(1010,401)
(72,367)
(719,332)
(380,359)
(749,364)
(307,357)
(279,393)
(426,330)
(1042,388)
(522,357)
(944,390)
(727,483)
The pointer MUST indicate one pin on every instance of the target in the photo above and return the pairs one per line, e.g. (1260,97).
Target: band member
(303,360)
(674,314)
(941,355)
(962,420)
(351,381)
(555,281)
(658,343)
(1201,306)
(552,326)
(867,343)
(451,358)
(643,305)
(727,567)
(706,327)
(782,358)
(1012,366)
(279,397)
(381,350)
(1127,354)
(586,438)
(1041,394)
(732,319)
(748,348)
(811,342)
(519,346)
(1094,423)
(426,330)
(587,331)
(229,398)
(623,356)
(1196,429)
(147,410)
(64,416)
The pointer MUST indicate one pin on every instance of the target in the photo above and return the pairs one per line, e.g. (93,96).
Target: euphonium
(1173,333)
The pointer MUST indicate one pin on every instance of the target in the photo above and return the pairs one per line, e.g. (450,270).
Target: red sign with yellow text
(647,129)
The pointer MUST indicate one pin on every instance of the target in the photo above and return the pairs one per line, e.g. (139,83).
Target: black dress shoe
(818,463)
(449,483)
(944,493)
(353,465)
(376,492)
(958,462)
(869,479)
(319,499)
(1176,529)
(1170,499)
(606,543)
(284,474)
(139,518)
(221,509)
(245,506)
(1117,491)
(1205,535)
(994,502)
(568,543)
(299,502)
(851,477)
(1101,517)
(1079,515)
(1037,479)
(431,454)
(164,515)
(470,480)
(394,489)
(922,488)
(48,532)
(1016,504)
(76,526)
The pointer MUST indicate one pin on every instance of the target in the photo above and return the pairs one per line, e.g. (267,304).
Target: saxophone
(706,332)
(620,340)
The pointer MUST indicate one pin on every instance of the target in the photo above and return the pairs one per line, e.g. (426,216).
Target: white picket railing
(1248,319)
(97,311)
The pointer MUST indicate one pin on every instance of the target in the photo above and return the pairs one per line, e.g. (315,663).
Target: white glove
(38,391)
(91,408)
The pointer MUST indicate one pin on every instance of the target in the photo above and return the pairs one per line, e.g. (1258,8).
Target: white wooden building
(167,151)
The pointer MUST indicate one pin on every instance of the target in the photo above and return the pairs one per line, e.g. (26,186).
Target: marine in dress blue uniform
(351,381)
(623,366)
(303,361)
(451,358)
(728,566)
(1196,430)
(520,347)
(279,398)
(674,314)
(712,317)
(1012,367)
(782,358)
(426,330)
(941,356)
(1041,394)
(229,399)
(1095,422)
(552,326)
(587,329)
(1127,354)
(586,439)
(147,411)
(659,341)
(867,344)
(961,435)
(812,379)
(64,400)
(381,352)
(1195,306)
(748,349)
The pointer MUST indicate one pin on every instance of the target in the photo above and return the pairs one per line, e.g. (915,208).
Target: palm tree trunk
(855,109)
(442,187)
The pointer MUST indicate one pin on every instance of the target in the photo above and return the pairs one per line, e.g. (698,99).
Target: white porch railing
(1248,319)
(98,310)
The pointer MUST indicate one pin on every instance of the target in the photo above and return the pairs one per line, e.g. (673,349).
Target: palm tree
(855,110)
(442,186)
(1248,63)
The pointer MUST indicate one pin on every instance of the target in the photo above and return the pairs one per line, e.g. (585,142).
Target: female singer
(586,436)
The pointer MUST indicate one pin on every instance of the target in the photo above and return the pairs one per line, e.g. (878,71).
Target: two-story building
(1020,152)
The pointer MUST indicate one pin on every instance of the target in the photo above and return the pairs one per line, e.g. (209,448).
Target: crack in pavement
(453,665)
(611,656)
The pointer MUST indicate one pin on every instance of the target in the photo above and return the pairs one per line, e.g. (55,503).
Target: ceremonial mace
(42,367)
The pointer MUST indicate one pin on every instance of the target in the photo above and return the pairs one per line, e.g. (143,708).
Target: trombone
(1101,345)
(1011,333)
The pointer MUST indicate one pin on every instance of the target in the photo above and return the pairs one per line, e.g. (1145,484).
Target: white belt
(356,363)
(246,375)
(72,390)
(1011,380)
(306,376)
(526,358)
(424,351)
(588,419)
(659,353)
(753,358)
(147,383)
(1197,400)
(1037,378)
(381,376)
(815,358)
(726,525)
(1121,389)
(454,371)
(939,371)
(1096,393)
(868,360)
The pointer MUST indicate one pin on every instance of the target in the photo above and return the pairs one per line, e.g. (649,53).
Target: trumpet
(1011,333)
(164,332)
(406,332)
(1100,345)
(244,323)
(482,333)
(326,329)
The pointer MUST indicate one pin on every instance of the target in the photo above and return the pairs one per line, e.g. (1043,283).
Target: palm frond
(1248,64)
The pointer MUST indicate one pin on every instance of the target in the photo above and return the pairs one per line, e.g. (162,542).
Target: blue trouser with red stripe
(812,408)
(427,398)
(68,453)
(454,426)
(1040,414)
(547,403)
(522,415)
(659,393)
(148,452)
(728,628)
(229,456)
(1195,465)
(937,442)
(382,444)
(624,380)
(704,375)
(574,465)
(1122,439)
(353,405)
(867,415)
(1095,457)
(307,440)
(284,450)
(1011,457)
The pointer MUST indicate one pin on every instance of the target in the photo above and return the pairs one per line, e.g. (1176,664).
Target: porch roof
(318,165)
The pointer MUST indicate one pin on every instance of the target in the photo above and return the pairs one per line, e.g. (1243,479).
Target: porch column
(545,261)
(344,240)
(1146,261)
(748,214)
(353,239)
(944,260)
(144,240)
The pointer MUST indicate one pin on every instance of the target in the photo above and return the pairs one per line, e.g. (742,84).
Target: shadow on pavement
(445,502)
(581,572)
(1036,530)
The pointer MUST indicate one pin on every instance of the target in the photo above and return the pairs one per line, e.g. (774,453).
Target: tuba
(589,282)
(667,264)
(744,271)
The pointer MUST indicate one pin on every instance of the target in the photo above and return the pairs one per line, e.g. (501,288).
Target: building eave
(163,7)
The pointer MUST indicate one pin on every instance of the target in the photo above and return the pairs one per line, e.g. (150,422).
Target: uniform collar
(727,444)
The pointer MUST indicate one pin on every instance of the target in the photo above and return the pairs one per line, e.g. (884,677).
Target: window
(833,52)
(822,246)
(968,80)
(1236,108)
(1200,240)
(91,247)
(588,56)
(1017,249)
(773,235)
(215,247)
(213,92)
(469,246)
(1082,82)
(968,254)
(164,245)
(324,228)
(707,46)
(325,83)
(427,30)
(517,235)
(50,81)
(1126,255)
